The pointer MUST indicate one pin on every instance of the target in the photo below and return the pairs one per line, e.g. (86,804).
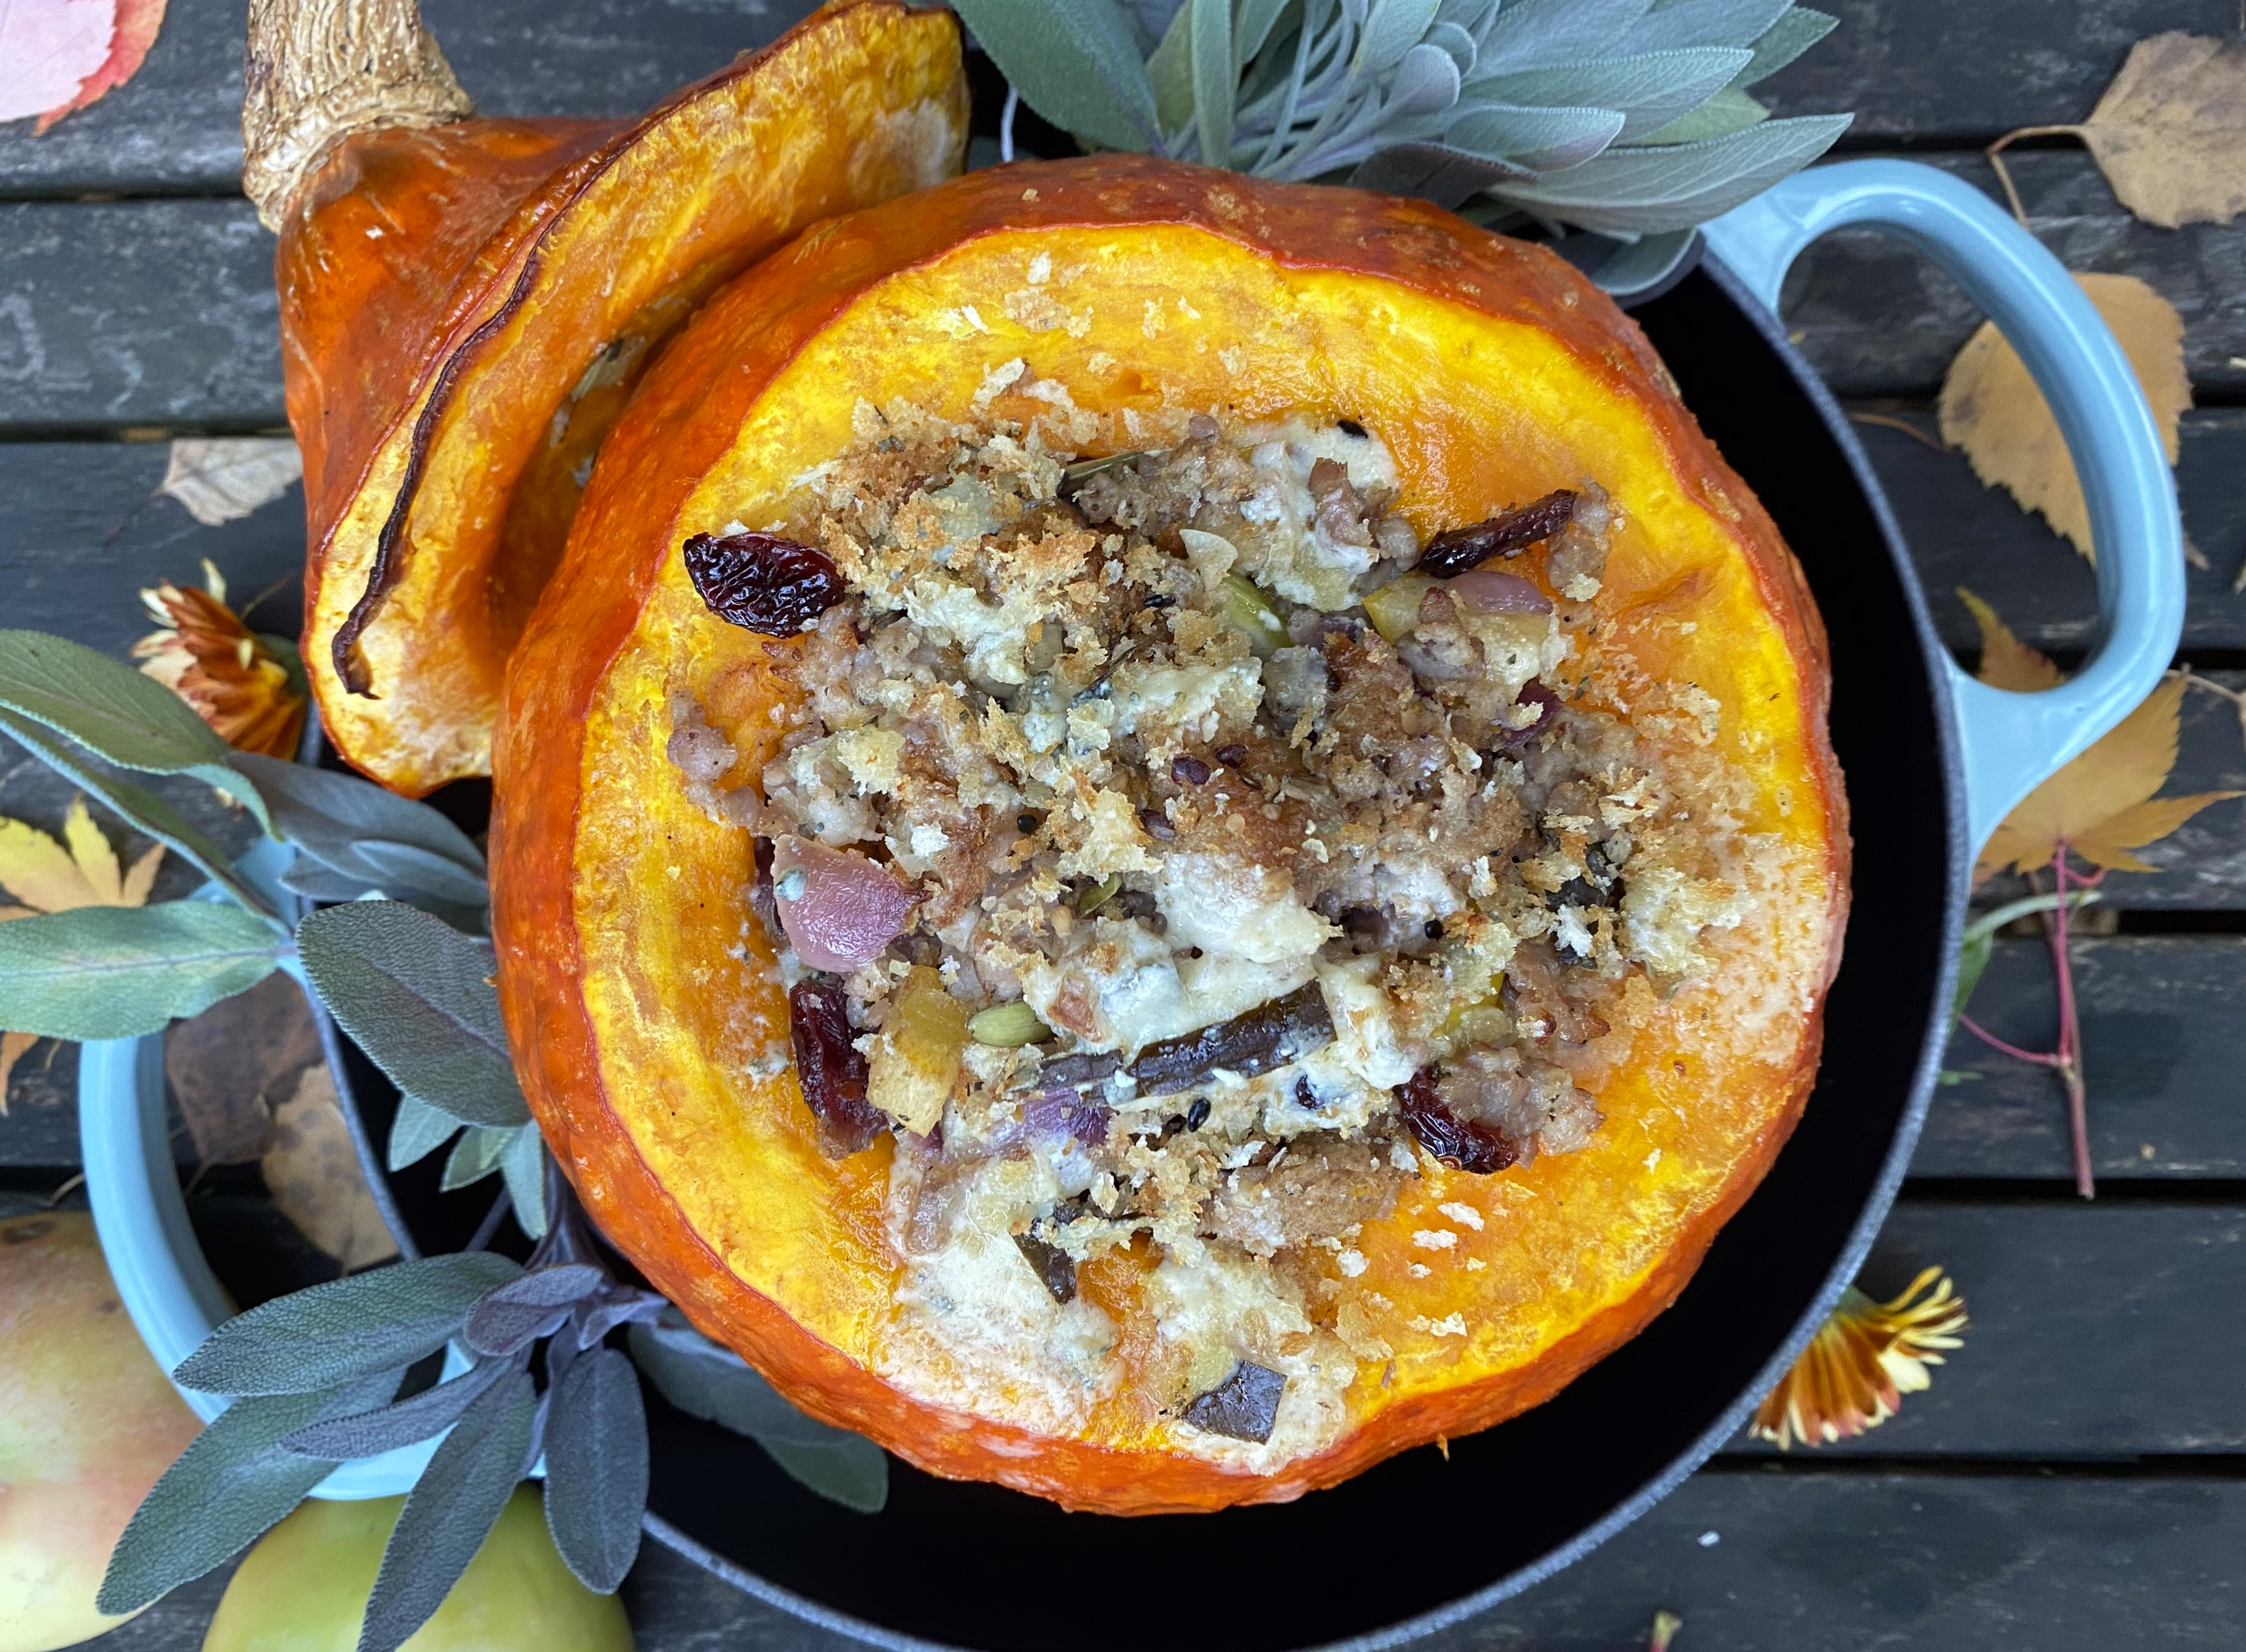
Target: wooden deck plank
(2164,1030)
(1961,532)
(138,312)
(1802,1559)
(159,312)
(1876,319)
(2081,1315)
(175,127)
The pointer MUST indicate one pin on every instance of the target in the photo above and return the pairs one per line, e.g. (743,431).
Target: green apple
(87,1423)
(304,1588)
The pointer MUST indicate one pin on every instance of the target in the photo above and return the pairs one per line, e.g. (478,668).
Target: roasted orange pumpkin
(636,984)
(464,309)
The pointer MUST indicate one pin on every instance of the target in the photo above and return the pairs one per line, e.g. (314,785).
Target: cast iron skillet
(1931,760)
(1419,1542)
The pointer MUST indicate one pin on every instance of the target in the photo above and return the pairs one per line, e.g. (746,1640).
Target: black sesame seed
(1157,824)
(1026,824)
(1197,1115)
(1433,929)
(1188,771)
(1232,756)
(1351,427)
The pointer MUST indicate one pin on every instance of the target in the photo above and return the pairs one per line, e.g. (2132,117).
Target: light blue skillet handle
(2010,743)
(133,1186)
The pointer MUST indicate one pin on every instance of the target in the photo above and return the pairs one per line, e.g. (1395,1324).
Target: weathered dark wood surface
(2073,1480)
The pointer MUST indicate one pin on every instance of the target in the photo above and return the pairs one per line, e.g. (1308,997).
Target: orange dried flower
(236,681)
(1860,1364)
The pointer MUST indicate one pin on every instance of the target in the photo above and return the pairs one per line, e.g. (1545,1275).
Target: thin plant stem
(489,1225)
(1996,153)
(2070,1029)
(2040,1058)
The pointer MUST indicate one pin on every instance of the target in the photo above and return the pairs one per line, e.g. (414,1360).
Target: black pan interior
(975,1565)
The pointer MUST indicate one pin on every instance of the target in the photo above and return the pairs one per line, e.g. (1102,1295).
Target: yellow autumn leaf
(2007,662)
(1991,409)
(313,1173)
(13,1045)
(2101,805)
(47,877)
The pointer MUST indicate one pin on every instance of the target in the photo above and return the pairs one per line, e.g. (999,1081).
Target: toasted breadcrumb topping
(1247,863)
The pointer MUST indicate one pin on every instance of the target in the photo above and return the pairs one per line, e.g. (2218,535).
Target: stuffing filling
(1175,852)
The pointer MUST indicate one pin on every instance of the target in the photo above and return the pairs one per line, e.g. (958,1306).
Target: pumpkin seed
(1008,1026)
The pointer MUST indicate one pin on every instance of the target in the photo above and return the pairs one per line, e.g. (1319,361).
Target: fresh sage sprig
(1627,118)
(314,1378)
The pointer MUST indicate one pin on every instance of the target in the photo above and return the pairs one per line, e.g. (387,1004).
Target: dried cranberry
(763,582)
(1467,1144)
(1507,534)
(1511,742)
(831,1071)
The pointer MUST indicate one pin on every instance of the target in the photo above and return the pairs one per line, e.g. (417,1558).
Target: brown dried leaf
(2170,132)
(1991,408)
(13,1048)
(232,1065)
(2101,805)
(223,478)
(313,1173)
(2007,662)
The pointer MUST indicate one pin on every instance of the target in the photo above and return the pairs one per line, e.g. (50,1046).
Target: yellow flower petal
(1861,1362)
(210,659)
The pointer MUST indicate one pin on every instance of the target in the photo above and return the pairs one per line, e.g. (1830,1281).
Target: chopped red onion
(1065,1112)
(840,909)
(1490,592)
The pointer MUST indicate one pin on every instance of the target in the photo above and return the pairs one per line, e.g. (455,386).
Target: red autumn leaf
(48,50)
(56,55)
(137,24)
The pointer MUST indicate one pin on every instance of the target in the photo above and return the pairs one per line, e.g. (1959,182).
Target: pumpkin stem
(318,70)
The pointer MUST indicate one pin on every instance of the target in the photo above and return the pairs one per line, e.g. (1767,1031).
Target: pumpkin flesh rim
(958,1445)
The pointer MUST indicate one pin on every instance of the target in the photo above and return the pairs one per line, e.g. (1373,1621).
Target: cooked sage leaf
(235,1481)
(597,1468)
(122,972)
(417,995)
(523,1163)
(118,714)
(509,1316)
(718,1385)
(338,1332)
(449,1513)
(369,1433)
(476,1154)
(416,1131)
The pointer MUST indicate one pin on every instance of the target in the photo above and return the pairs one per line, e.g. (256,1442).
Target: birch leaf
(2007,662)
(1991,409)
(2102,806)
(2169,132)
(313,1173)
(230,1068)
(138,22)
(223,479)
(49,49)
